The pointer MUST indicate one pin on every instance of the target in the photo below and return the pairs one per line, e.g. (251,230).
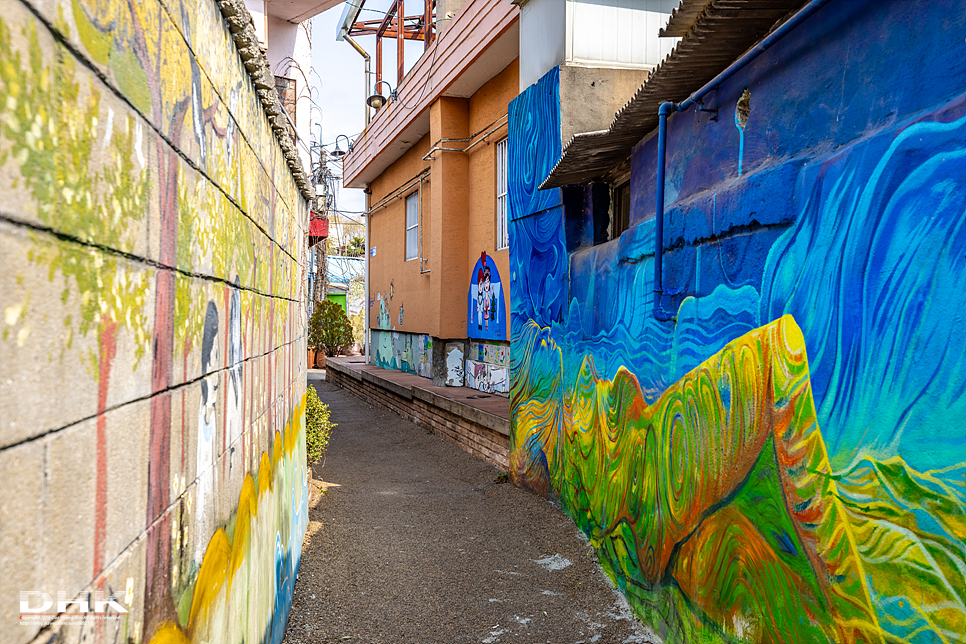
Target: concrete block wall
(152,265)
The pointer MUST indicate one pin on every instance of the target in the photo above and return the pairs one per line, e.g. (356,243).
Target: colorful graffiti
(382,316)
(485,314)
(487,367)
(455,371)
(247,576)
(153,238)
(407,352)
(736,489)
(487,377)
(722,493)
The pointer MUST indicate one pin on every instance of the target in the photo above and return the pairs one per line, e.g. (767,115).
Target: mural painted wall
(151,281)
(487,367)
(407,352)
(786,460)
(485,311)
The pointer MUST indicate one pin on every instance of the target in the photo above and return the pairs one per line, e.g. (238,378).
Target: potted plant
(330,332)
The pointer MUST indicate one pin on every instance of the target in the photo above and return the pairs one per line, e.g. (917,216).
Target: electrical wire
(422,90)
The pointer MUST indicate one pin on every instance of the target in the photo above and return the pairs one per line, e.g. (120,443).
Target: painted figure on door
(483,318)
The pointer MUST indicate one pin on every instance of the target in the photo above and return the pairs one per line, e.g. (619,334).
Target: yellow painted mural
(719,498)
(152,236)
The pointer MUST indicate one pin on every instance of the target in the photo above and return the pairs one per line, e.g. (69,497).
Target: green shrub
(318,428)
(329,329)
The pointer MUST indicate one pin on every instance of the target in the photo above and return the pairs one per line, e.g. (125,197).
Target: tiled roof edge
(694,61)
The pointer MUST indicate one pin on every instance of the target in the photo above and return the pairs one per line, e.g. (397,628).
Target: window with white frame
(502,231)
(412,226)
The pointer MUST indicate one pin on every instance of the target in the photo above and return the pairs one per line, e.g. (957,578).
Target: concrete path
(416,541)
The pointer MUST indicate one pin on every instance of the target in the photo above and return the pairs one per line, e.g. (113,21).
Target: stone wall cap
(242,29)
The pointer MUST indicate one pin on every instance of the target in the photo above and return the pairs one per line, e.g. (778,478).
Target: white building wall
(259,17)
(592,33)
(543,28)
(617,33)
(290,55)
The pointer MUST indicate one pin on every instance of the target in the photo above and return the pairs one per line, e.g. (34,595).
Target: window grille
(502,230)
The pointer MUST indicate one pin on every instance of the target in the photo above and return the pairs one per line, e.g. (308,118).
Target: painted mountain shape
(716,510)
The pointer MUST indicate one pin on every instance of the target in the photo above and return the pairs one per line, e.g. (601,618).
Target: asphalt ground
(410,539)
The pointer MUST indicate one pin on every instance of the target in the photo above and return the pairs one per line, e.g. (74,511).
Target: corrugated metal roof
(684,17)
(720,34)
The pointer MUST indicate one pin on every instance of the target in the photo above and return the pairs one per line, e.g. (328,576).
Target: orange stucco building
(433,164)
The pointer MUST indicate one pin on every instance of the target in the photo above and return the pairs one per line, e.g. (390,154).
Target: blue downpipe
(666,109)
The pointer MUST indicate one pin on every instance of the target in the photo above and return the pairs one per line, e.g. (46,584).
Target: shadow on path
(415,541)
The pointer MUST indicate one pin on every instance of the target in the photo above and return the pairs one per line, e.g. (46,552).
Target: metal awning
(716,37)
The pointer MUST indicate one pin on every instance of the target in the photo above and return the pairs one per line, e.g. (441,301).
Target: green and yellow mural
(152,236)
(784,459)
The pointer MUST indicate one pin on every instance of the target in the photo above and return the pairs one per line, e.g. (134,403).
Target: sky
(339,85)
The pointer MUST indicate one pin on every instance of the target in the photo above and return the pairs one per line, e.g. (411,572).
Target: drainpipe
(662,114)
(669,108)
(366,333)
(365,56)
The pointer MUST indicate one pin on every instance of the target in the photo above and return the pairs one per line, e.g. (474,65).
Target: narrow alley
(413,540)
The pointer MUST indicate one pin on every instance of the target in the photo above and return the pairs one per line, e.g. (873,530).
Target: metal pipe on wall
(472,143)
(420,199)
(663,112)
(366,334)
(366,58)
(669,108)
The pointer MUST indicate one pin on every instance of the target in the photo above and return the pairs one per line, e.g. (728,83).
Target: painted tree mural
(159,202)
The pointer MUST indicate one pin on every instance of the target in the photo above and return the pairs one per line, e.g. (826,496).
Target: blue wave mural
(534,129)
(869,267)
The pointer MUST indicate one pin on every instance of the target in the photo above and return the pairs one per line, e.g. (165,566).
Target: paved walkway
(417,541)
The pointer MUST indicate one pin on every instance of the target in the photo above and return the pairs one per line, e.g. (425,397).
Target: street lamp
(377,100)
(338,152)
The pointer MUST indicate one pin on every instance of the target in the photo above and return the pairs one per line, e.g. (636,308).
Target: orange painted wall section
(458,216)
(391,277)
(449,118)
(489,104)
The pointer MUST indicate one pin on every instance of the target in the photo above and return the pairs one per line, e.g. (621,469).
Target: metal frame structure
(416,27)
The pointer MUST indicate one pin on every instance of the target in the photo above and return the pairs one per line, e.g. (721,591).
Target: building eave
(479,43)
(722,32)
(297,11)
